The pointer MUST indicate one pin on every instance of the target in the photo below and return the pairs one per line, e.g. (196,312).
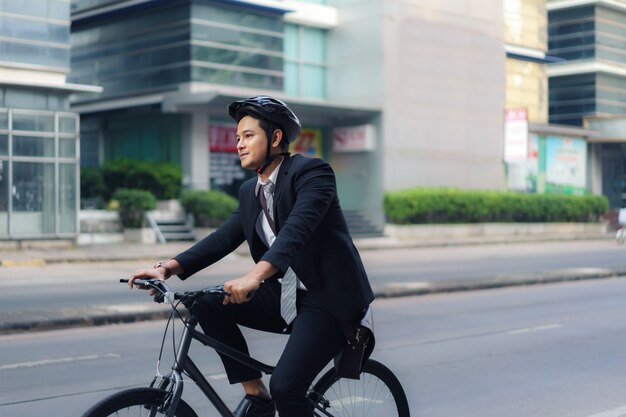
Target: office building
(39,146)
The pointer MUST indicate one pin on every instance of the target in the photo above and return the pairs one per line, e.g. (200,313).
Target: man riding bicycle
(308,280)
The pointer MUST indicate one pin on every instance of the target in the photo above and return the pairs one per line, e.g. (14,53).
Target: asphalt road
(549,350)
(72,285)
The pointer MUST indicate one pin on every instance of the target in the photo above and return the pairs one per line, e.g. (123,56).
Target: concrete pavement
(19,321)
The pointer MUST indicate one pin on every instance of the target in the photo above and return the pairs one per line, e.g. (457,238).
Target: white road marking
(218,376)
(535,328)
(616,412)
(44,362)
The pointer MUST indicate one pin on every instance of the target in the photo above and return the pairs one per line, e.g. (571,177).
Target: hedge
(448,205)
(209,208)
(163,180)
(133,205)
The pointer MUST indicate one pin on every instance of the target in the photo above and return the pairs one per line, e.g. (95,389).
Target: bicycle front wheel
(137,402)
(376,393)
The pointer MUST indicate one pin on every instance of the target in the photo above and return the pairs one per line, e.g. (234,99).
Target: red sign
(355,138)
(222,138)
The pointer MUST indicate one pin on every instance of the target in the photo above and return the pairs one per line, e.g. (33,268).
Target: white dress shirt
(263,227)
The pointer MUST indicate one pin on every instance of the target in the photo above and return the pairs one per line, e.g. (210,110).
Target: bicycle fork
(184,364)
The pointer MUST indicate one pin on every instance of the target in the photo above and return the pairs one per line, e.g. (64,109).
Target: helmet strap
(268,159)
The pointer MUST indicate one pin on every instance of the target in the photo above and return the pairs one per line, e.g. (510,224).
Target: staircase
(359,226)
(170,223)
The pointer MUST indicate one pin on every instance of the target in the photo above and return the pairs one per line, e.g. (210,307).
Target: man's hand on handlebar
(155,273)
(240,290)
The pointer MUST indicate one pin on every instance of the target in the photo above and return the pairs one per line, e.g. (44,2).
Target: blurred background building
(589,87)
(523,95)
(393,94)
(542,153)
(39,147)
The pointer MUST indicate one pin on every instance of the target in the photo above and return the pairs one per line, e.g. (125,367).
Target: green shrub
(447,205)
(163,180)
(93,191)
(209,208)
(133,205)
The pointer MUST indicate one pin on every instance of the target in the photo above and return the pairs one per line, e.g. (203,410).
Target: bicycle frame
(185,364)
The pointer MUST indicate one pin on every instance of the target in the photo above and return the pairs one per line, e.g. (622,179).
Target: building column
(594,170)
(195,151)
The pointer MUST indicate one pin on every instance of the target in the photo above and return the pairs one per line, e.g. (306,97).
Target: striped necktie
(290,280)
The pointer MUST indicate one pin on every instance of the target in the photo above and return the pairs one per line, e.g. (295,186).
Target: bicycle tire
(376,393)
(136,402)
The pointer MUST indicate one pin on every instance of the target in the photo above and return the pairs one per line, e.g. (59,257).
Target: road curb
(366,244)
(107,315)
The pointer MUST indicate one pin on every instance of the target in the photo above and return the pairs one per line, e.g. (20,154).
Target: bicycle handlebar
(164,293)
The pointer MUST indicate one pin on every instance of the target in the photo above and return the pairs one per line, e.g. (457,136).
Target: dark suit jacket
(312,237)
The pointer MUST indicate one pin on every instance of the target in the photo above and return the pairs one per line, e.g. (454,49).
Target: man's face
(251,143)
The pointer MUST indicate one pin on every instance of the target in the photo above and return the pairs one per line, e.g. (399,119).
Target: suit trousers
(315,337)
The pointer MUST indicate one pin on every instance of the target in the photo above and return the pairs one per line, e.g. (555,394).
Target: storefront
(39,174)
(550,159)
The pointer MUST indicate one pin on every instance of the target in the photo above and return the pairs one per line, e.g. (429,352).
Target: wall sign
(354,138)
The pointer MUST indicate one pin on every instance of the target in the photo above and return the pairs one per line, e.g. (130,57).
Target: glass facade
(572,97)
(35,32)
(38,174)
(589,32)
(161,45)
(305,61)
(572,33)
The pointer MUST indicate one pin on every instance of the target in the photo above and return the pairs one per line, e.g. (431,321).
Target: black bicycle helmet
(272,109)
(276,112)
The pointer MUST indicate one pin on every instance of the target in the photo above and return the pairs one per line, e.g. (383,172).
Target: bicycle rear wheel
(137,402)
(377,393)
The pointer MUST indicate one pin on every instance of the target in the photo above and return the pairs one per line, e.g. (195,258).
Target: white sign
(354,138)
(515,135)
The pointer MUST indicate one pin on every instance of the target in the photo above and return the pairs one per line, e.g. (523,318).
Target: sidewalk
(139,251)
(20,321)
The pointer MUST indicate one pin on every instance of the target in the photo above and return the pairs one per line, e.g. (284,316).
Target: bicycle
(376,393)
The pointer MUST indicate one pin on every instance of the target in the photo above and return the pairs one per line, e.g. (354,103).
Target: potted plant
(133,205)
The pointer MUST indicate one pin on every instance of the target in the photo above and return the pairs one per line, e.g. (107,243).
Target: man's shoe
(253,406)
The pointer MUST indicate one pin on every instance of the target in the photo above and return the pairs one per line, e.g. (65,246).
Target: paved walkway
(19,321)
(136,251)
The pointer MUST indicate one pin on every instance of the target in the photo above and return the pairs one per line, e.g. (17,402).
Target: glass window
(4,145)
(35,54)
(33,146)
(33,198)
(67,198)
(313,45)
(305,46)
(24,99)
(219,76)
(4,120)
(26,7)
(241,59)
(313,81)
(32,30)
(238,17)
(67,148)
(67,124)
(292,79)
(33,122)
(232,36)
(4,198)
(292,42)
